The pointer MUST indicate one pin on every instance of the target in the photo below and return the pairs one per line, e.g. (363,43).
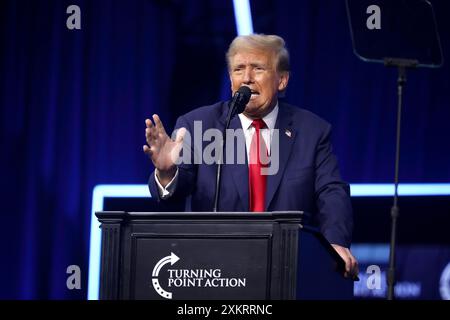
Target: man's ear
(283,82)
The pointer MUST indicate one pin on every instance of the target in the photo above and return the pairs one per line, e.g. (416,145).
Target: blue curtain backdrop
(73,105)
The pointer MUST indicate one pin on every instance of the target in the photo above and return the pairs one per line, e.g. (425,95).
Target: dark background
(73,105)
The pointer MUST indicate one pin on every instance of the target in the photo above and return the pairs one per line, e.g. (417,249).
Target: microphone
(236,106)
(238,103)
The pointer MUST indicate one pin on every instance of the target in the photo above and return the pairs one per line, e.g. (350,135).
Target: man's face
(256,69)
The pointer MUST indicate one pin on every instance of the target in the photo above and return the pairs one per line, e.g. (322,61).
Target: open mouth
(254,93)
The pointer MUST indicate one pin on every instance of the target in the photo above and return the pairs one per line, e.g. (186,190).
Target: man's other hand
(351,265)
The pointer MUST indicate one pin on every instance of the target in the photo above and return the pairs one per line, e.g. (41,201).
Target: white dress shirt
(267,133)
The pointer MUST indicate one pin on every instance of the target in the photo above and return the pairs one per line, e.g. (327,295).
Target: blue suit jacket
(308,178)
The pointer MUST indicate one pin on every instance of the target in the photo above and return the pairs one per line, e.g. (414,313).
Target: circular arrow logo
(172,259)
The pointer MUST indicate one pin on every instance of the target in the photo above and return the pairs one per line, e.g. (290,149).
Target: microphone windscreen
(244,94)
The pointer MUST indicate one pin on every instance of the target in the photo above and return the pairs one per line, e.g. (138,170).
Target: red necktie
(257,181)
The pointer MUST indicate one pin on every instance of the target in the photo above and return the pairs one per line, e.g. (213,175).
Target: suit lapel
(286,134)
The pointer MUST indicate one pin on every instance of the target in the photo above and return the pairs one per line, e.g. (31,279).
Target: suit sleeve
(335,215)
(187,173)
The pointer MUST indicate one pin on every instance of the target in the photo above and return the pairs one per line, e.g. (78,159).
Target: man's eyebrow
(253,64)
(238,65)
(258,64)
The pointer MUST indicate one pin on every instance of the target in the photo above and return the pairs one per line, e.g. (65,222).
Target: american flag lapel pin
(288,133)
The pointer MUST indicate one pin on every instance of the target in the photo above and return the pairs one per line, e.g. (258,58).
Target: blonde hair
(262,42)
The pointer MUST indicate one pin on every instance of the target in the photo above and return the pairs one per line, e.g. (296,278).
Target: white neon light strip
(98,196)
(243,16)
(141,191)
(369,252)
(405,189)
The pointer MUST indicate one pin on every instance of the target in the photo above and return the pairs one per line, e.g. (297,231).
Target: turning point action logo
(183,278)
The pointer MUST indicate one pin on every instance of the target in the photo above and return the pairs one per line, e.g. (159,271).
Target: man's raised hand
(161,149)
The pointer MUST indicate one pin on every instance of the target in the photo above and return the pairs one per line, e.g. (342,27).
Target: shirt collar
(270,119)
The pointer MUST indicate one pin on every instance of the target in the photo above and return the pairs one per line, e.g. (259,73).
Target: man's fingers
(149,123)
(355,267)
(147,150)
(348,264)
(158,123)
(149,136)
(352,270)
(149,131)
(351,266)
(175,151)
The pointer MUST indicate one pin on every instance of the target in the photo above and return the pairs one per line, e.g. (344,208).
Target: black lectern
(217,256)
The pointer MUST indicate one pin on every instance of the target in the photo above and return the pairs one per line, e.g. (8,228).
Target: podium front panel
(200,267)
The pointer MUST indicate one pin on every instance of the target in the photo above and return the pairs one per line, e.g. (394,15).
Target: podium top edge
(201,215)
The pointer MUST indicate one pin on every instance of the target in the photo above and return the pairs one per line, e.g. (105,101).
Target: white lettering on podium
(205,278)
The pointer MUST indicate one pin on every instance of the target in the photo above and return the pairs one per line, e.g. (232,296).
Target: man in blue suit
(306,175)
